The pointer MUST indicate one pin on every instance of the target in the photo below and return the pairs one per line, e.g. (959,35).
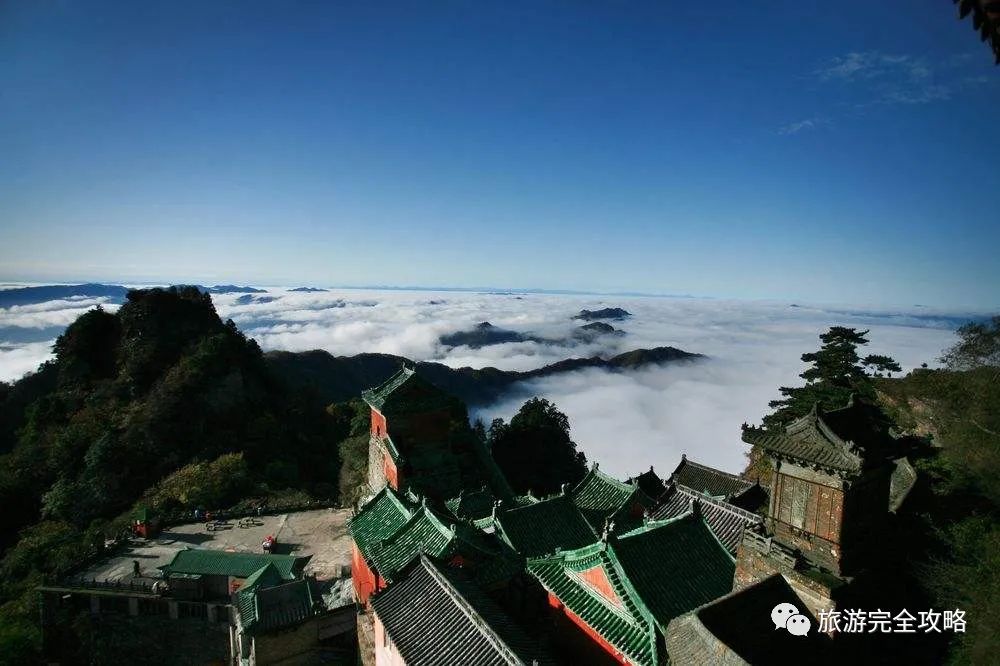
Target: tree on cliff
(835,372)
(535,451)
(978,346)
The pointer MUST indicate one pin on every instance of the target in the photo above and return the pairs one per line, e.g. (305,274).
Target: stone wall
(754,564)
(296,645)
(376,470)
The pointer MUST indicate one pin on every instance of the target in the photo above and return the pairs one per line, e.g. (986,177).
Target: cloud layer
(625,421)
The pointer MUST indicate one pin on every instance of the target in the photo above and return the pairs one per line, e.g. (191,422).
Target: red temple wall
(598,579)
(379,427)
(580,639)
(392,475)
(366,581)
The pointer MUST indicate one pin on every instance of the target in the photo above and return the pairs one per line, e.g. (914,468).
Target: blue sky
(838,152)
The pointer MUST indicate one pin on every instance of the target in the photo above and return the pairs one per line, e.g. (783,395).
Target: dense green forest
(160,404)
(954,512)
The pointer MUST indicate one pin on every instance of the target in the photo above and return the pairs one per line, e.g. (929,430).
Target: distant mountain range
(338,378)
(485,334)
(31,295)
(614,314)
(115,293)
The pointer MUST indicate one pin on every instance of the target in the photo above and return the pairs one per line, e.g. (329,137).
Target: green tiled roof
(674,565)
(472,505)
(422,533)
(266,575)
(650,483)
(377,395)
(600,497)
(239,565)
(428,533)
(629,627)
(525,500)
(657,572)
(378,520)
(268,607)
(539,529)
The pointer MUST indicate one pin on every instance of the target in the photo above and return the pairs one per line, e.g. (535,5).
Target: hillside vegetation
(160,404)
(956,507)
(943,548)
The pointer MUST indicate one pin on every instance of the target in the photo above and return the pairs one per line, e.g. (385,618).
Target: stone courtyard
(321,534)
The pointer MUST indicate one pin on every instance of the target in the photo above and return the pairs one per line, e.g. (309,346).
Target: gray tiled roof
(708,480)
(737,629)
(435,615)
(726,521)
(808,439)
(841,440)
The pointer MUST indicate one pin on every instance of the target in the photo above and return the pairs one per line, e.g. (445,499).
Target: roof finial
(609,527)
(563,488)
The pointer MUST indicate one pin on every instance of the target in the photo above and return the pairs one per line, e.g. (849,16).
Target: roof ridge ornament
(609,528)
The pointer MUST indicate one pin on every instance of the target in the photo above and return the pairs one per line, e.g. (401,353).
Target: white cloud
(895,79)
(18,360)
(50,313)
(796,127)
(627,421)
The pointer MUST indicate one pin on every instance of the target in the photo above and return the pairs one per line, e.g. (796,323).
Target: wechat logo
(787,616)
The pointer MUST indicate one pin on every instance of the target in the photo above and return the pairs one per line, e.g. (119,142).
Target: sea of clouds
(626,421)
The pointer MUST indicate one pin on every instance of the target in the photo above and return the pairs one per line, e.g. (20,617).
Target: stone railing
(768,546)
(109,585)
(271,509)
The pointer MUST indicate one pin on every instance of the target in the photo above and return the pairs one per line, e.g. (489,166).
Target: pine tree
(836,372)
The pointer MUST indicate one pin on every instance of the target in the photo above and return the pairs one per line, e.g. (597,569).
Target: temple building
(736,629)
(732,489)
(420,439)
(420,417)
(603,499)
(830,497)
(727,521)
(389,531)
(544,526)
(457,622)
(642,572)
(612,600)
